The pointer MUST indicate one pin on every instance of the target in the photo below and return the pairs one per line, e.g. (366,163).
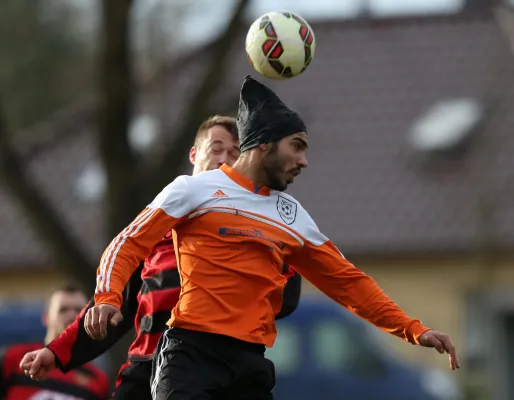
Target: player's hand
(38,364)
(98,317)
(442,343)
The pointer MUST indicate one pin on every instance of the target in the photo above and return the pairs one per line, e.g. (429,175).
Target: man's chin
(280,188)
(288,182)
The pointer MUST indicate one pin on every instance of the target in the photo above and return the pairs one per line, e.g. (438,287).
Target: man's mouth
(293,175)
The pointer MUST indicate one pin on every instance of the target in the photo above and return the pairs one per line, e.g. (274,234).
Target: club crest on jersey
(286,209)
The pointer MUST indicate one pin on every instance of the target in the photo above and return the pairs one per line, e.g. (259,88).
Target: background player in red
(152,291)
(87,382)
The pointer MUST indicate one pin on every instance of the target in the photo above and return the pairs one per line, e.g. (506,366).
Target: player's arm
(292,292)
(321,263)
(132,246)
(74,347)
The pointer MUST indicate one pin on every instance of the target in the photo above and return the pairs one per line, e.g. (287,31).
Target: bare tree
(156,36)
(43,215)
(53,47)
(128,181)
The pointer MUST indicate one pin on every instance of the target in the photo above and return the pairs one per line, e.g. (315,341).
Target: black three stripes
(168,279)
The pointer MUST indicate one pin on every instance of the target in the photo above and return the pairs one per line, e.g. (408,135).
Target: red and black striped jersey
(149,297)
(159,293)
(85,383)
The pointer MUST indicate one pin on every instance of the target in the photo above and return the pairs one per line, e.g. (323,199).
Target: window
(285,353)
(446,124)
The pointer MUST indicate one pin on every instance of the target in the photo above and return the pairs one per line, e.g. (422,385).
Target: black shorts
(134,381)
(192,365)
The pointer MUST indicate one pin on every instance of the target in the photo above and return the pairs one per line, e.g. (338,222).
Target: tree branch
(116,90)
(71,258)
(199,109)
(116,101)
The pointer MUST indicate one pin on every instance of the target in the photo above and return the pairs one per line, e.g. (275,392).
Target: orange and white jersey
(232,240)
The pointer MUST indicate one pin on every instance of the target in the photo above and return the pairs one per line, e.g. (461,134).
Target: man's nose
(223,159)
(302,162)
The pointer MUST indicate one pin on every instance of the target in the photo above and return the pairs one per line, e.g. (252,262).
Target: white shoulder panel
(216,189)
(176,199)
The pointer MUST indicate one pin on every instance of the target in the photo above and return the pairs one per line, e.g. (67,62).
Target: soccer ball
(280,45)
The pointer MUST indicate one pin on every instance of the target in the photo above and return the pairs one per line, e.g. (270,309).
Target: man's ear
(264,146)
(44,320)
(192,155)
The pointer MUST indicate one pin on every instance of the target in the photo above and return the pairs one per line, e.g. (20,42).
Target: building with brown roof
(415,215)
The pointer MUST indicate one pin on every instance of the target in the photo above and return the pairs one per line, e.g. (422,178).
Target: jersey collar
(245,182)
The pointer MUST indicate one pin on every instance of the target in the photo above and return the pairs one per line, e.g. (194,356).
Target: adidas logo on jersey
(219,193)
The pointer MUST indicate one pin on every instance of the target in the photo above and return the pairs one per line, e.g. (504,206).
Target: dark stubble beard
(273,169)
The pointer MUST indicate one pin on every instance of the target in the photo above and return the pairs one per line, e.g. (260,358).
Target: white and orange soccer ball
(280,45)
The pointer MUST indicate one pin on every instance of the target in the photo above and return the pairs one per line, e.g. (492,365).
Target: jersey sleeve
(292,292)
(73,347)
(10,358)
(104,386)
(321,263)
(137,240)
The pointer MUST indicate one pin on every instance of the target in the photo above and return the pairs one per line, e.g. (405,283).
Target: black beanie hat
(262,117)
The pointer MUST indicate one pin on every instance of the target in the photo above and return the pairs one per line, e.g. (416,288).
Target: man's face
(284,159)
(63,308)
(217,147)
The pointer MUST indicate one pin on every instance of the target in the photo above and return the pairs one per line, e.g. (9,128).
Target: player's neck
(246,166)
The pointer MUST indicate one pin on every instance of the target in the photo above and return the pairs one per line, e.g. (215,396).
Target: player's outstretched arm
(321,263)
(292,292)
(132,246)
